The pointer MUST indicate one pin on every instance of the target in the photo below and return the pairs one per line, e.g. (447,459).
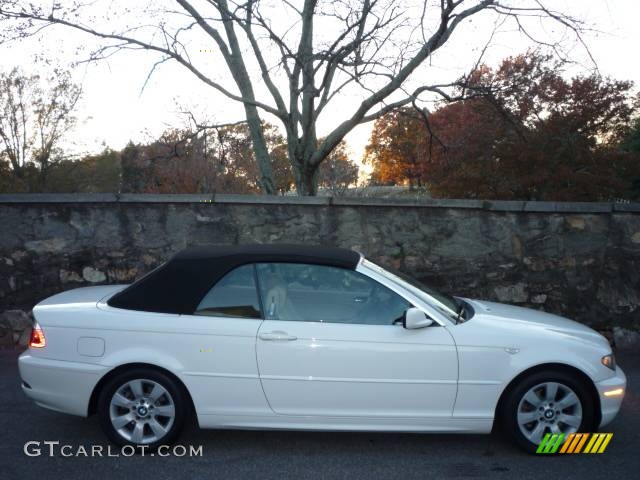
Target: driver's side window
(318,293)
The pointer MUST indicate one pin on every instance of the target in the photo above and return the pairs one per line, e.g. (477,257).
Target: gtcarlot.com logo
(53,448)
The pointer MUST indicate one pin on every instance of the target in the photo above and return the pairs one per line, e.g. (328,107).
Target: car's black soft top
(178,285)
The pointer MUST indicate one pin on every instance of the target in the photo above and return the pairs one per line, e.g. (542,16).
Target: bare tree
(303,55)
(35,114)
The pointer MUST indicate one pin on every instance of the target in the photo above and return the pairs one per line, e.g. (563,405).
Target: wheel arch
(548,366)
(93,400)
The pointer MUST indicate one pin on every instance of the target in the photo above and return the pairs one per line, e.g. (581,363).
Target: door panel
(335,369)
(222,373)
(219,364)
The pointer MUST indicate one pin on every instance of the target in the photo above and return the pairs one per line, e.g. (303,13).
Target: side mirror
(415,318)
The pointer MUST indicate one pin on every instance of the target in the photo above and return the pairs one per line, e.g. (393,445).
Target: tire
(521,415)
(153,402)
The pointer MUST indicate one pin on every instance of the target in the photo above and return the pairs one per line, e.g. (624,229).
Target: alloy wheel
(549,407)
(142,411)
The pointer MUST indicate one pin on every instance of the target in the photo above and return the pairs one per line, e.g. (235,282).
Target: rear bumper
(610,405)
(58,385)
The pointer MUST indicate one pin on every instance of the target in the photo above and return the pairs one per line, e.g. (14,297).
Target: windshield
(447,304)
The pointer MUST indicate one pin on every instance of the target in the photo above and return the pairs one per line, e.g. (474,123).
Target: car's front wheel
(547,402)
(142,407)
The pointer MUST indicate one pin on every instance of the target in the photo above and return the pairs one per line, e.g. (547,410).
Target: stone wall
(580,260)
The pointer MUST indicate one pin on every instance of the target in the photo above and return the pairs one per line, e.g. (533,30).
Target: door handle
(277,335)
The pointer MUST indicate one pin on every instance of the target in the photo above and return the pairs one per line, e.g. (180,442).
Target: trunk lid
(80,297)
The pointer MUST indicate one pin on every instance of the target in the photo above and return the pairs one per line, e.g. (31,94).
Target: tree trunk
(234,58)
(306,178)
(260,149)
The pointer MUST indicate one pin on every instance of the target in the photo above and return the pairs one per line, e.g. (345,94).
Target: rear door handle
(277,335)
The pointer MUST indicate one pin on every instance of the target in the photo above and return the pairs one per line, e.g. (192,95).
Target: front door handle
(277,335)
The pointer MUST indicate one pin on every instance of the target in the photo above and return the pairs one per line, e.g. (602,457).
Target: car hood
(521,318)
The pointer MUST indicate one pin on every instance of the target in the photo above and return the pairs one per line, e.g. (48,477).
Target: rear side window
(235,295)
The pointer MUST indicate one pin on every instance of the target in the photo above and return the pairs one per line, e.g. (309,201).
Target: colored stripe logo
(550,443)
(574,443)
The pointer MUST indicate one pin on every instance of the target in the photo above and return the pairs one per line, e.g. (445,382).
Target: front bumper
(58,385)
(610,405)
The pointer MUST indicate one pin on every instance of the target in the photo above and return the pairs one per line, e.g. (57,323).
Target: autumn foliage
(221,161)
(217,160)
(524,132)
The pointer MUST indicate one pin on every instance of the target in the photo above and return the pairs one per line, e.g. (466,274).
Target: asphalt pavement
(230,454)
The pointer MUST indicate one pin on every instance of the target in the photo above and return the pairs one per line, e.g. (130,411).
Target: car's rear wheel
(142,407)
(547,402)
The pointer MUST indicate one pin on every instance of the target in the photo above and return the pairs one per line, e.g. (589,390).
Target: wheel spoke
(554,428)
(535,435)
(136,388)
(138,432)
(571,420)
(551,390)
(122,420)
(527,417)
(164,411)
(569,400)
(157,392)
(158,430)
(532,398)
(121,401)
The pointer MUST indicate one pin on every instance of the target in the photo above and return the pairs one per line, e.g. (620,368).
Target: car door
(329,347)
(218,349)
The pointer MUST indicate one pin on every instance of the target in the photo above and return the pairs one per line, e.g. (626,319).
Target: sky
(114,108)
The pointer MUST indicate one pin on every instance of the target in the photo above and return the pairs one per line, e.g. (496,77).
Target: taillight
(37,339)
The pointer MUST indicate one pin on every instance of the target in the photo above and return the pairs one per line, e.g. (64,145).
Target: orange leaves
(532,135)
(396,145)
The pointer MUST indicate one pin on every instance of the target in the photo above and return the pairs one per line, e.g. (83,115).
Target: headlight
(609,361)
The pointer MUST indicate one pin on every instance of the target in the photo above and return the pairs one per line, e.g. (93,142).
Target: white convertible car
(301,337)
